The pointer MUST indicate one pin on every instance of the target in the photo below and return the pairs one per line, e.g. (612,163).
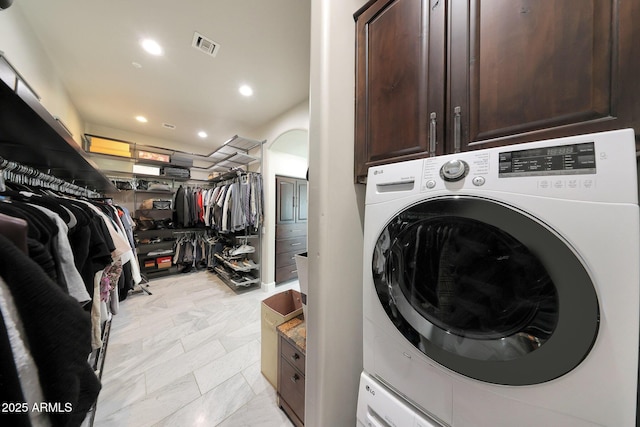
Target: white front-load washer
(501,286)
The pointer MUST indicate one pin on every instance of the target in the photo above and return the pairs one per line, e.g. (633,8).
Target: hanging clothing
(74,282)
(58,332)
(19,359)
(179,207)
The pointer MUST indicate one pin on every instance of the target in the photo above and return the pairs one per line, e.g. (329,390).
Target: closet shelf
(234,280)
(245,281)
(31,135)
(234,161)
(152,191)
(162,178)
(234,155)
(237,263)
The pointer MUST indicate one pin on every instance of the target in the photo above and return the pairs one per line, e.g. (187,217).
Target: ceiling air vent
(205,45)
(168,126)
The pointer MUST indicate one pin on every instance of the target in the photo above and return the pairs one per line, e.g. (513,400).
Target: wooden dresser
(291,226)
(291,368)
(291,240)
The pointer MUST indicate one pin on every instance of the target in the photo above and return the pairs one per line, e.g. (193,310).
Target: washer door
(486,290)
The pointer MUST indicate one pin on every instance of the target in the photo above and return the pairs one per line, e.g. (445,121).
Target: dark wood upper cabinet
(471,74)
(285,198)
(540,70)
(291,200)
(392,92)
(302,202)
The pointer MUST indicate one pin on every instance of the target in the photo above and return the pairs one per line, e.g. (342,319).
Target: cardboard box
(276,310)
(149,263)
(164,262)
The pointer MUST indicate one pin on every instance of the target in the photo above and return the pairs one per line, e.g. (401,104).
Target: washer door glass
(486,290)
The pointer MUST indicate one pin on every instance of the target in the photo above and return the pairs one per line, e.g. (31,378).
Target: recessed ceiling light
(142,119)
(246,90)
(152,47)
(202,134)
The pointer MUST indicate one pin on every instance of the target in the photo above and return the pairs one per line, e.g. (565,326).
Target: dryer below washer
(379,407)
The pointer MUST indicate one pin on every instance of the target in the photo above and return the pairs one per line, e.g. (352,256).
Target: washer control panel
(599,167)
(572,159)
(438,171)
(454,170)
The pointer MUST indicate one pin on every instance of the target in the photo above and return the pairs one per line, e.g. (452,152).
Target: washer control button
(478,181)
(430,184)
(454,170)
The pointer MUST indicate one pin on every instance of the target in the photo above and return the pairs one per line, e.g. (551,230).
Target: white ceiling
(94,43)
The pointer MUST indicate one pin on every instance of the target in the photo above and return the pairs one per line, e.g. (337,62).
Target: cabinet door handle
(432,135)
(295,356)
(295,378)
(457,129)
(296,244)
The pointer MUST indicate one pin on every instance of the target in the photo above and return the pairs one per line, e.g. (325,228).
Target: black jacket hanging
(58,332)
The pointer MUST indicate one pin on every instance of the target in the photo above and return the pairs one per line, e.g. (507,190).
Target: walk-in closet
(136,186)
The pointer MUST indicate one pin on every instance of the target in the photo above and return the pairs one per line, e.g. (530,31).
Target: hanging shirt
(75,284)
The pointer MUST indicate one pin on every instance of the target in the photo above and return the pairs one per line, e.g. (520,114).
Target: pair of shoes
(242,249)
(248,263)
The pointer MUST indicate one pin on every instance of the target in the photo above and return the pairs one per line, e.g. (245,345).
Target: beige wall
(24,51)
(336,205)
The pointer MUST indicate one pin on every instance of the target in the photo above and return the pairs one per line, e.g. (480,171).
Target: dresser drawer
(291,388)
(291,370)
(289,245)
(287,258)
(284,274)
(288,231)
(292,355)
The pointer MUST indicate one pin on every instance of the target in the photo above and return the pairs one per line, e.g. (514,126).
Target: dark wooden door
(399,43)
(528,70)
(291,200)
(291,225)
(285,196)
(301,202)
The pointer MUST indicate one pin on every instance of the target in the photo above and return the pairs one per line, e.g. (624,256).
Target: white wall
(336,204)
(24,51)
(278,163)
(295,118)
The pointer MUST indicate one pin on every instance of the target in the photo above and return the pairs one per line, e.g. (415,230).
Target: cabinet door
(527,70)
(398,42)
(301,202)
(285,193)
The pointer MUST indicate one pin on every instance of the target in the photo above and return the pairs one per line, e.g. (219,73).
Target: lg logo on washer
(370,390)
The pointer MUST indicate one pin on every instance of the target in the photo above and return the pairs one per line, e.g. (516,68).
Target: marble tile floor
(188,356)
